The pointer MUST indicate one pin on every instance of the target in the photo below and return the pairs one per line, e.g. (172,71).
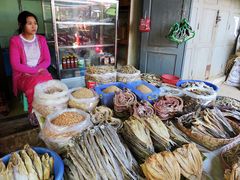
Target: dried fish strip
(35,159)
(161,166)
(190,161)
(29,165)
(19,169)
(232,155)
(3,171)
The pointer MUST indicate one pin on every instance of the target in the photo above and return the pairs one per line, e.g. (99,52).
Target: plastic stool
(25,103)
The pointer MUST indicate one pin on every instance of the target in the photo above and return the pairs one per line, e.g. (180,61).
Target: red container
(91,84)
(170,79)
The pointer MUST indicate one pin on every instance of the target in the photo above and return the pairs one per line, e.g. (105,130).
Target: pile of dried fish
(209,128)
(128,69)
(159,133)
(227,103)
(142,109)
(176,135)
(27,164)
(138,138)
(167,106)
(161,166)
(122,101)
(189,105)
(100,69)
(234,173)
(232,155)
(99,154)
(190,161)
(153,79)
(186,161)
(101,74)
(195,85)
(103,115)
(209,122)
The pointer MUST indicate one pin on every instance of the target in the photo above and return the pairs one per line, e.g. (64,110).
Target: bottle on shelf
(64,63)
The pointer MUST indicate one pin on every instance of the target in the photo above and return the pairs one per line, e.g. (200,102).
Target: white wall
(213,42)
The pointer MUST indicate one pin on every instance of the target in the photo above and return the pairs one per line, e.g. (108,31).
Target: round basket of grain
(83,98)
(101,74)
(128,73)
(62,125)
(209,128)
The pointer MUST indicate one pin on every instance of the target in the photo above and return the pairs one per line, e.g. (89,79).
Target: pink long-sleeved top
(19,62)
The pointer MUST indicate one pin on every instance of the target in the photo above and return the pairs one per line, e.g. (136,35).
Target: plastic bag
(101,78)
(169,91)
(86,104)
(234,75)
(45,110)
(56,137)
(52,89)
(204,100)
(122,77)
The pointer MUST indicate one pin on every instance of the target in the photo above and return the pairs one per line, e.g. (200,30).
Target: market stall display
(62,125)
(167,107)
(128,73)
(101,74)
(209,128)
(99,154)
(83,98)
(32,163)
(49,97)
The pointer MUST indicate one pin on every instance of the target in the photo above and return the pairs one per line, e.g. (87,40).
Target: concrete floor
(230,91)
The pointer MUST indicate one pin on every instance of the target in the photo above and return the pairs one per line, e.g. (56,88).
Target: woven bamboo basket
(228,147)
(209,142)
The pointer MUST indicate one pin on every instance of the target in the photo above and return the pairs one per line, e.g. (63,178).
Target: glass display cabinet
(84,34)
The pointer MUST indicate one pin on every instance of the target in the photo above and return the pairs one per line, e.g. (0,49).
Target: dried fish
(161,166)
(137,136)
(190,161)
(99,154)
(29,165)
(35,159)
(3,171)
(19,169)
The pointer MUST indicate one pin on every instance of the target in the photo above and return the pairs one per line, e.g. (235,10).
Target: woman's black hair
(22,20)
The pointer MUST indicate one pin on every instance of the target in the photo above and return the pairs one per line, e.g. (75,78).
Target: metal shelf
(84,23)
(85,46)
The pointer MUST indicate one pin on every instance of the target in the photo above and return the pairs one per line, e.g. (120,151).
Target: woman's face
(31,26)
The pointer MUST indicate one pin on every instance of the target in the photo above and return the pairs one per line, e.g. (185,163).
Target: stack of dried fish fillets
(234,173)
(185,161)
(209,128)
(99,154)
(27,164)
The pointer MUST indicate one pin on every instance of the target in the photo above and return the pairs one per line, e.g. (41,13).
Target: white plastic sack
(204,100)
(86,104)
(56,137)
(42,88)
(234,75)
(102,78)
(122,77)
